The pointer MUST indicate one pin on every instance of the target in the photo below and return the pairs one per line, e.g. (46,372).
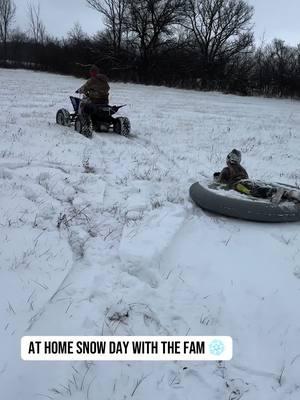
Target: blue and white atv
(102,121)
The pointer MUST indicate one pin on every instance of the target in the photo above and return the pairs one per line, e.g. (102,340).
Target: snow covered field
(99,237)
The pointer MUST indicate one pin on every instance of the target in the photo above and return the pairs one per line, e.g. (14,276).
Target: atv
(103,121)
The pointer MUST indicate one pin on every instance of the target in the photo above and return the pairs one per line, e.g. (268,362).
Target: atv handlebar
(117,108)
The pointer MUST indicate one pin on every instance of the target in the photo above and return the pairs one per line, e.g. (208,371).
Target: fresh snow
(99,237)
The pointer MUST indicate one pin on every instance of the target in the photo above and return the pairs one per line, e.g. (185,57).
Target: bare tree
(220,29)
(7,15)
(280,67)
(114,12)
(76,35)
(151,24)
(37,28)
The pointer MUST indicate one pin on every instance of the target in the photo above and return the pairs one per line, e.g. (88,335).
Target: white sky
(273,18)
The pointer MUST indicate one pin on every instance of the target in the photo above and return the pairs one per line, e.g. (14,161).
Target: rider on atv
(96,91)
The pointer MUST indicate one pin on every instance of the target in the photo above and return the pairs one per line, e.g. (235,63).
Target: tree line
(200,44)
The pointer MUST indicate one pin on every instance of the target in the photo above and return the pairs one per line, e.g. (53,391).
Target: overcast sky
(273,18)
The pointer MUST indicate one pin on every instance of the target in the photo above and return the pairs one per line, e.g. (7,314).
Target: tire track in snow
(88,150)
(141,142)
(147,142)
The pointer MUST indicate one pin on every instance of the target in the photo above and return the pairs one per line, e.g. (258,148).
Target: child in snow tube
(236,177)
(234,172)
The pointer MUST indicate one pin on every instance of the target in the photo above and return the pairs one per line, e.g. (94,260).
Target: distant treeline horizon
(194,44)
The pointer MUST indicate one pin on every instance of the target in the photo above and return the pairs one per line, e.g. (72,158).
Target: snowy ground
(94,229)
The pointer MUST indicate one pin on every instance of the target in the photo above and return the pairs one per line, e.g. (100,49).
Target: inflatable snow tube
(233,204)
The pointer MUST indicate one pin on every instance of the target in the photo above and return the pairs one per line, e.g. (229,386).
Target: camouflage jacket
(96,89)
(232,174)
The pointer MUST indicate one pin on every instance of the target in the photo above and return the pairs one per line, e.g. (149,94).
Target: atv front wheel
(63,117)
(122,126)
(83,127)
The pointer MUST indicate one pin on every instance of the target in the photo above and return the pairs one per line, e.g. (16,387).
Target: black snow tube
(248,208)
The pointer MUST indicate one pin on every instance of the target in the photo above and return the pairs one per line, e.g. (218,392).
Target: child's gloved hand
(216,176)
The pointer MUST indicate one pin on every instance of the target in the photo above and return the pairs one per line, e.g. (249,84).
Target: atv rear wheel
(63,117)
(84,127)
(122,126)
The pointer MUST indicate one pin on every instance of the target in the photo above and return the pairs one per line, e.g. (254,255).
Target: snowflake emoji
(216,347)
